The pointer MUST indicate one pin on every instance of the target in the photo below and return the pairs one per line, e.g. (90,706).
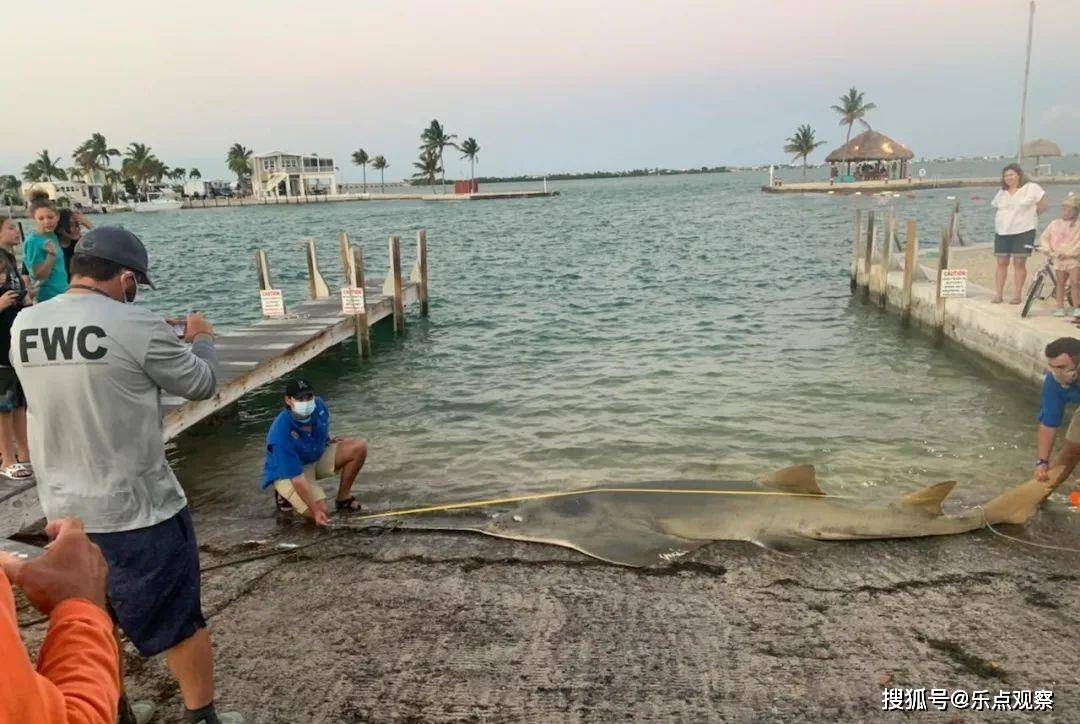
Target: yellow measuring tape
(582,491)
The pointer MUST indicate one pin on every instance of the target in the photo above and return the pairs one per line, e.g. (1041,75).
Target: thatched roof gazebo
(1038,148)
(873,147)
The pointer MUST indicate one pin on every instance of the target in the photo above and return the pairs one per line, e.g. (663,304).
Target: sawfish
(652,523)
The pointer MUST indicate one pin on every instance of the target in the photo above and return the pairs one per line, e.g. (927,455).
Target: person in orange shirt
(78,668)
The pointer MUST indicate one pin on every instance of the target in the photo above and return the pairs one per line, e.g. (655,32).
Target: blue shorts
(153,584)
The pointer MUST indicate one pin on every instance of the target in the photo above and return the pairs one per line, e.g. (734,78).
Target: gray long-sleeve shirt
(93,369)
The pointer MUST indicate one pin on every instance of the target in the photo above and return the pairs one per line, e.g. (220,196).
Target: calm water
(680,327)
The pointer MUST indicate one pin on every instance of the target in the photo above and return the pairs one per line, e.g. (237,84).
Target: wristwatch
(1042,463)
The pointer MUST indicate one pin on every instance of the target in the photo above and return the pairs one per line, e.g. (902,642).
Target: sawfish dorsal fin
(796,479)
(929,498)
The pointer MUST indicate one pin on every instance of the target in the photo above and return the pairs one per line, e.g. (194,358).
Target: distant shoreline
(589,175)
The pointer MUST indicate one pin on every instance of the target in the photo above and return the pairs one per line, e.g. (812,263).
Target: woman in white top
(1018,204)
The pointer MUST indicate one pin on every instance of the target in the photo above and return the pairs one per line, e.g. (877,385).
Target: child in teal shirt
(40,250)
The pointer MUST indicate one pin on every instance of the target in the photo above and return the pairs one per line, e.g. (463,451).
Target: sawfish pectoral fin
(1018,504)
(929,499)
(780,543)
(795,479)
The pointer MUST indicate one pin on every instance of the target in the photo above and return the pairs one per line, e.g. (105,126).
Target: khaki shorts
(321,468)
(1073,433)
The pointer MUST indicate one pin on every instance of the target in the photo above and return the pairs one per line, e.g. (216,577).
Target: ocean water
(655,328)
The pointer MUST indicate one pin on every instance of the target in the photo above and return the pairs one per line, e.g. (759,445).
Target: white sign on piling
(954,282)
(352,301)
(273,303)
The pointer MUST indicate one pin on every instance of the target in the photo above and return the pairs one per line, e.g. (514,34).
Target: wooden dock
(300,200)
(899,185)
(257,354)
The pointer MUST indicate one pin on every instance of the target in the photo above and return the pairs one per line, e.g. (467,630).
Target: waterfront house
(201,189)
(77,193)
(277,174)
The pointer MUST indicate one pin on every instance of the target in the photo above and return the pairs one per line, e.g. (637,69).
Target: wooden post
(395,271)
(890,230)
(421,261)
(353,262)
(855,251)
(911,254)
(262,268)
(943,264)
(868,260)
(317,288)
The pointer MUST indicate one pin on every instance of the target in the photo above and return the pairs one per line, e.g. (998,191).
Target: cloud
(1061,113)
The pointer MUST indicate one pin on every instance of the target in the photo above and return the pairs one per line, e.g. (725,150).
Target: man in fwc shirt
(92,366)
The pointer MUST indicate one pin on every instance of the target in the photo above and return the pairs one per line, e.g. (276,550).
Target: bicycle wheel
(1033,294)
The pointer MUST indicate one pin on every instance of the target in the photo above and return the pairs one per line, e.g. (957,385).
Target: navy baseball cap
(299,387)
(120,246)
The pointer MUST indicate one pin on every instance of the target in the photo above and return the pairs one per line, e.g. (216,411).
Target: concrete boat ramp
(255,355)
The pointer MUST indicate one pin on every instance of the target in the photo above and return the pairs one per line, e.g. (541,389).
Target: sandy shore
(433,627)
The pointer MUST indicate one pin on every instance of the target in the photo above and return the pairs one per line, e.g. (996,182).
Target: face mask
(302,409)
(1063,378)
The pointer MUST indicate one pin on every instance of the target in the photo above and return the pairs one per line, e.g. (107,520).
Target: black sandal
(283,505)
(349,504)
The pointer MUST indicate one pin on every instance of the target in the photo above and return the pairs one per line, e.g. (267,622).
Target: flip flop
(17,471)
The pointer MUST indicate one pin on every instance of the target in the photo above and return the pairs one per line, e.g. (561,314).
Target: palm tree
(379,164)
(852,109)
(238,159)
(428,165)
(360,158)
(93,154)
(44,168)
(142,166)
(803,144)
(194,173)
(113,179)
(434,138)
(470,149)
(9,190)
(177,174)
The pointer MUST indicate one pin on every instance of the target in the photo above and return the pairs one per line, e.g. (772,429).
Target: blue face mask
(302,409)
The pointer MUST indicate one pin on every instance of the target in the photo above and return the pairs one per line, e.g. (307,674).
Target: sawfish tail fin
(1018,504)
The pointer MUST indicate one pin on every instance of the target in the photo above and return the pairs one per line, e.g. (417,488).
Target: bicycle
(1035,290)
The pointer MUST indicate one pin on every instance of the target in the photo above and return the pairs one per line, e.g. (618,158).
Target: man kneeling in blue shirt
(299,451)
(1060,388)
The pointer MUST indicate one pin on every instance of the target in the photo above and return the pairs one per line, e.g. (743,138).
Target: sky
(544,87)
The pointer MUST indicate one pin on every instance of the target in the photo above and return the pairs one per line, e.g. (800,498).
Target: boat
(158,202)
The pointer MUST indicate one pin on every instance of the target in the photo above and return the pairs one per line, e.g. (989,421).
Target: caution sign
(273,303)
(954,282)
(352,301)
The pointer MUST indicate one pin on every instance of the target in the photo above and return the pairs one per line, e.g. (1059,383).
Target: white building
(203,189)
(292,174)
(78,193)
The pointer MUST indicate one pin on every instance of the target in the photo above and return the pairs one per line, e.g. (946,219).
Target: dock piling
(352,260)
(855,251)
(395,273)
(317,288)
(868,260)
(886,248)
(910,255)
(421,270)
(943,264)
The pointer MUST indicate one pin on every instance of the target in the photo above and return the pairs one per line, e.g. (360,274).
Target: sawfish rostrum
(651,523)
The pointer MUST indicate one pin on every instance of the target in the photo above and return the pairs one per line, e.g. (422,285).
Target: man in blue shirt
(1060,387)
(300,450)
